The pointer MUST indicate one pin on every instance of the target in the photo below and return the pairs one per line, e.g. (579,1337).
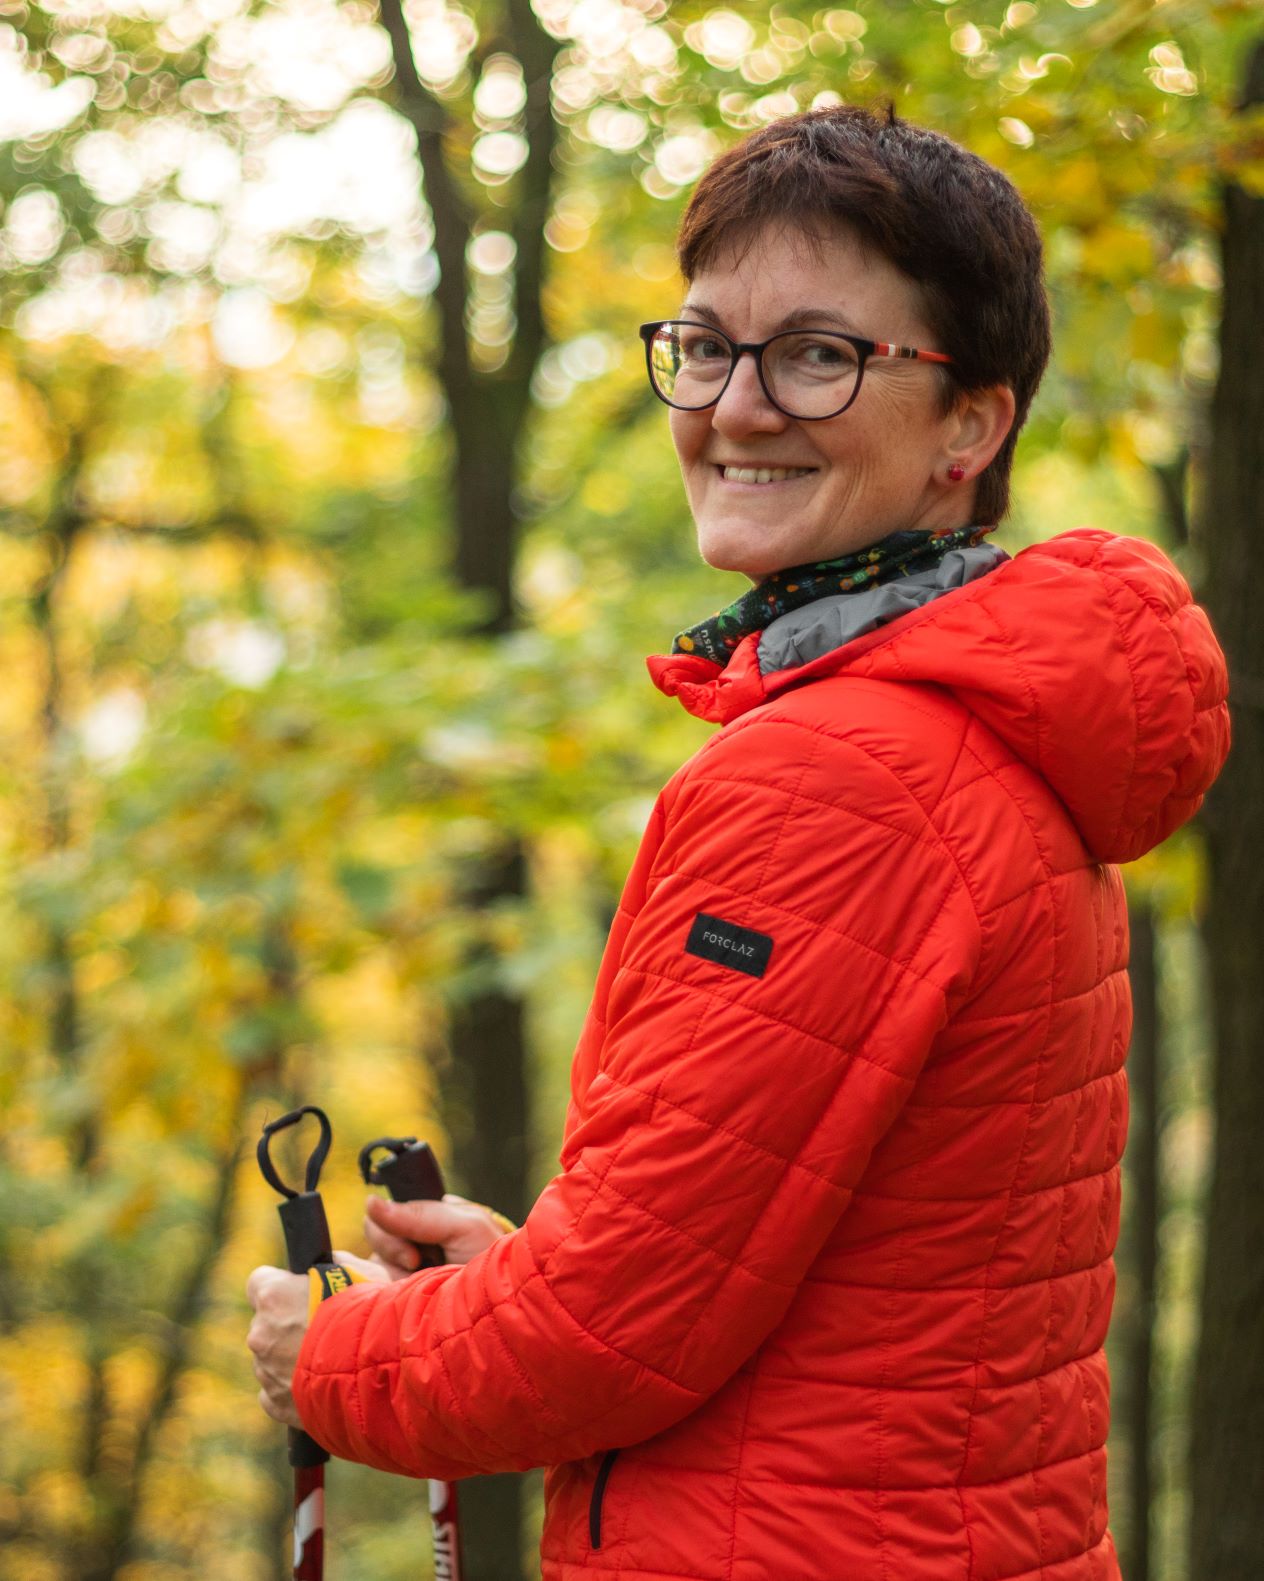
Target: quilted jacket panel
(828,1258)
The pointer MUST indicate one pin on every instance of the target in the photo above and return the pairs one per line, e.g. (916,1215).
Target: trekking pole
(306,1244)
(411,1173)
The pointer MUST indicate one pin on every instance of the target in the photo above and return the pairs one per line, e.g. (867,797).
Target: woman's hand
(281,1301)
(462,1228)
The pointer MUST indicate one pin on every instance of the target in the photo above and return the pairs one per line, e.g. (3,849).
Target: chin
(734,551)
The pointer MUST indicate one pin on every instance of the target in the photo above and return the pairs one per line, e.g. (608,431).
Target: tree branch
(537,52)
(231,524)
(449,211)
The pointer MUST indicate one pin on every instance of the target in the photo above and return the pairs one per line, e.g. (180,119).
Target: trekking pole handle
(307,1239)
(411,1173)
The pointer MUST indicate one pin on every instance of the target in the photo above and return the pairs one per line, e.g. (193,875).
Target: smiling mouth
(763,474)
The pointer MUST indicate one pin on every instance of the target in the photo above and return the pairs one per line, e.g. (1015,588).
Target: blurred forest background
(336,519)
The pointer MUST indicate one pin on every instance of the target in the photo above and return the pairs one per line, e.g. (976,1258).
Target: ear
(977,427)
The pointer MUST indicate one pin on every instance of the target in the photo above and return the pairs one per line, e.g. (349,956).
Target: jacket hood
(1086,655)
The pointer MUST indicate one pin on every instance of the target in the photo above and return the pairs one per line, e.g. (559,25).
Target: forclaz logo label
(742,949)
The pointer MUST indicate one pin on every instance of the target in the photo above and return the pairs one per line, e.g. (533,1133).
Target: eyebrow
(794,320)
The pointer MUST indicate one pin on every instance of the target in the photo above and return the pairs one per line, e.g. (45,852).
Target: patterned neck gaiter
(897,555)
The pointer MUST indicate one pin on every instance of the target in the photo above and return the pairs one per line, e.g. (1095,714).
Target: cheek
(887,438)
(853,446)
(689,434)
(908,409)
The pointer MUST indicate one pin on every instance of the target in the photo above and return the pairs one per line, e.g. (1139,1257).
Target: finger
(429,1223)
(374,1272)
(270,1407)
(274,1383)
(394,1253)
(380,1237)
(260,1282)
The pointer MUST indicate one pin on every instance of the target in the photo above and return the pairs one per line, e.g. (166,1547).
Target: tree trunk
(483,1097)
(1227,1468)
(1141,1238)
(485,1110)
(61,532)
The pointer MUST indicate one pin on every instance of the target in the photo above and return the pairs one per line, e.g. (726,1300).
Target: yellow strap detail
(329,1279)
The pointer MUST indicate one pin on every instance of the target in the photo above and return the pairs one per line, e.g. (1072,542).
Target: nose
(744,408)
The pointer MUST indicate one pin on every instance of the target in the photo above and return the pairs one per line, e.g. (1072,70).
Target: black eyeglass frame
(864,350)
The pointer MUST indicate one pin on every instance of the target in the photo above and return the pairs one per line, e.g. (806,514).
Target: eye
(812,357)
(699,346)
(824,353)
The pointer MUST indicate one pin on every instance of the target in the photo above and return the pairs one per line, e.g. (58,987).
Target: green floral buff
(898,555)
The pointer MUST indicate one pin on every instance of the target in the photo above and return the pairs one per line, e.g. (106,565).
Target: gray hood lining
(815,629)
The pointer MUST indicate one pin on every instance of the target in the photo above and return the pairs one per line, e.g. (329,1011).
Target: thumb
(424,1222)
(374,1273)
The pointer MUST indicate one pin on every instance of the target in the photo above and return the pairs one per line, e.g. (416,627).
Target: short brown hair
(944,217)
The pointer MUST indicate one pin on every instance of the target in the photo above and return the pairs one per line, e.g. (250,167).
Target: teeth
(764,474)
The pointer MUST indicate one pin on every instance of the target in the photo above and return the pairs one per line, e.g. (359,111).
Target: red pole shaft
(309,1523)
(447,1531)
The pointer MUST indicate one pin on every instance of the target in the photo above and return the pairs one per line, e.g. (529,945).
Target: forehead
(756,280)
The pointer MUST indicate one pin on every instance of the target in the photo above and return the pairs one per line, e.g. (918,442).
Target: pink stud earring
(956,472)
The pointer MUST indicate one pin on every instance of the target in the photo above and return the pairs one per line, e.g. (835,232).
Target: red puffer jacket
(821,1290)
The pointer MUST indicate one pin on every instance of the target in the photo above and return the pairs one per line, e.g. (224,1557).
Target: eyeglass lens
(808,374)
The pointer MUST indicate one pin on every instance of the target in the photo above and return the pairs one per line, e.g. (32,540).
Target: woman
(822,1287)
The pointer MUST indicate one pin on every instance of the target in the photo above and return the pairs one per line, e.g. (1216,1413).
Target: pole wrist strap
(329,1279)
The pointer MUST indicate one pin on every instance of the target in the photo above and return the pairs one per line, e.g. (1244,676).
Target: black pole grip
(411,1173)
(306,1231)
(307,1239)
(306,1244)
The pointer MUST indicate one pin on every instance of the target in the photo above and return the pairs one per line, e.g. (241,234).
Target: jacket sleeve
(732,1112)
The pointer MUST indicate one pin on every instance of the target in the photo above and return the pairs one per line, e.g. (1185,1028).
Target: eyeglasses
(807,374)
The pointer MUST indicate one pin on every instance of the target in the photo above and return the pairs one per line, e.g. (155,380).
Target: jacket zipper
(598,1494)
